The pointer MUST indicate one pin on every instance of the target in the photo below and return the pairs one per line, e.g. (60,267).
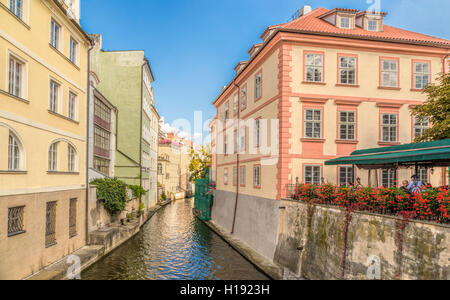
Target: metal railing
(50,224)
(73,218)
(15,220)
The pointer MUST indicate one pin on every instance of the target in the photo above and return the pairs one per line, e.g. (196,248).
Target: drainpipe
(237,156)
(444,62)
(87,142)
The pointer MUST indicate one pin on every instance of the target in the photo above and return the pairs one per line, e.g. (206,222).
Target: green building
(125,78)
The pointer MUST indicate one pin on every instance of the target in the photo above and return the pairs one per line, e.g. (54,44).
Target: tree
(437,110)
(200,161)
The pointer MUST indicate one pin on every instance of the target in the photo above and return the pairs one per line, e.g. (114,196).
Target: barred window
(54,96)
(421,126)
(102,111)
(347,125)
(314,67)
(389,127)
(15,220)
(13,154)
(53,157)
(16,7)
(101,165)
(313,174)
(101,138)
(347,70)
(71,159)
(313,123)
(50,224)
(15,77)
(389,73)
(73,217)
(388,178)
(346,175)
(421,75)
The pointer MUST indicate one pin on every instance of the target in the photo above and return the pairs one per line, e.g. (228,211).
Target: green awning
(430,154)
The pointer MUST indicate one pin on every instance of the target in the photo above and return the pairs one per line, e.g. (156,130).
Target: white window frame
(72,106)
(17,11)
(258,85)
(313,169)
(347,124)
(423,175)
(312,65)
(243,139)
(71,159)
(257,133)
(342,23)
(420,126)
(349,175)
(14,153)
(16,76)
(313,123)
(53,157)
(347,64)
(370,25)
(227,111)
(392,177)
(243,97)
(389,75)
(422,75)
(55,35)
(390,126)
(54,99)
(73,50)
(235,104)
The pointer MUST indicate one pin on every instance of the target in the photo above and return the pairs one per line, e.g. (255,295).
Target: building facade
(43,96)
(317,88)
(125,79)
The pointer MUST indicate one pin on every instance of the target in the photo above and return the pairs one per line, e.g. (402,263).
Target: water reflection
(174,245)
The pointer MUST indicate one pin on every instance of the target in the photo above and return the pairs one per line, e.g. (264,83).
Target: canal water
(174,245)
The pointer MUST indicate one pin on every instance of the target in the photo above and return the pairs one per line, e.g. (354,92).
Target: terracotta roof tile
(312,23)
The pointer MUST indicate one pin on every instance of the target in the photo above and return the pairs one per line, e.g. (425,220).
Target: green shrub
(113,194)
(138,191)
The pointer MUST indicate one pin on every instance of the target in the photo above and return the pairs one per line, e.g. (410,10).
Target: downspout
(140,128)
(237,156)
(87,142)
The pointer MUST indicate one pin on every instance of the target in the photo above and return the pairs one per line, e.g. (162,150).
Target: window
(347,125)
(257,176)
(235,176)
(243,139)
(389,73)
(242,176)
(54,91)
(225,176)
(389,128)
(102,111)
(15,77)
(16,7)
(160,169)
(101,138)
(235,142)
(258,133)
(13,154)
(258,86)
(101,165)
(55,31)
(243,98)
(236,104)
(420,126)
(53,157)
(72,105)
(71,159)
(73,218)
(372,25)
(423,176)
(73,50)
(421,75)
(313,174)
(227,111)
(346,176)
(347,70)
(225,144)
(15,220)
(314,67)
(50,224)
(345,22)
(388,178)
(313,123)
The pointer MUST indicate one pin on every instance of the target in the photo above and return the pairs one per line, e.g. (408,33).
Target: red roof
(312,23)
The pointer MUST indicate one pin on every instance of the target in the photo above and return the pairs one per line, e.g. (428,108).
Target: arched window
(72,159)
(13,154)
(53,157)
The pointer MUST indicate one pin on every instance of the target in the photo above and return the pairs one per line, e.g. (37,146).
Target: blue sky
(193,45)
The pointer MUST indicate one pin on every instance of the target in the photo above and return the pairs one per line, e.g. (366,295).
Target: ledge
(346,142)
(63,117)
(17,233)
(64,56)
(348,85)
(313,82)
(389,143)
(308,140)
(62,173)
(14,97)
(417,90)
(13,172)
(389,88)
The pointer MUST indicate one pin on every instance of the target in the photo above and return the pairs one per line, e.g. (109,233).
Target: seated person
(404,187)
(415,186)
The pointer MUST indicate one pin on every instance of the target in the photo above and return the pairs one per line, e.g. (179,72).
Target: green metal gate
(204,197)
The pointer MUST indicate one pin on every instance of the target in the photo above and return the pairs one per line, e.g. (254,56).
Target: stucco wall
(311,243)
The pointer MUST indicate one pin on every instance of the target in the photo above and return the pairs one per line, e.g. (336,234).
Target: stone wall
(314,242)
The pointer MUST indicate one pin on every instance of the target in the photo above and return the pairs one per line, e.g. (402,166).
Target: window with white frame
(347,125)
(242,176)
(55,34)
(243,98)
(73,51)
(313,123)
(345,22)
(312,174)
(16,7)
(258,86)
(314,67)
(423,176)
(421,75)
(257,176)
(225,176)
(346,176)
(227,111)
(235,104)
(388,178)
(16,69)
(72,159)
(72,106)
(53,157)
(243,139)
(347,70)
(389,127)
(13,153)
(420,126)
(389,73)
(372,25)
(235,176)
(54,96)
(257,133)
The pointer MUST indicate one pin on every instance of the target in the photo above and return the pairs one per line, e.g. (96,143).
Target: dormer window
(345,22)
(372,25)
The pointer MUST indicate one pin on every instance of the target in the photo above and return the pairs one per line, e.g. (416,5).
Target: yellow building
(43,96)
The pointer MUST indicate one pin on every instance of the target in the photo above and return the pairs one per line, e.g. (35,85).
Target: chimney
(97,39)
(306,9)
